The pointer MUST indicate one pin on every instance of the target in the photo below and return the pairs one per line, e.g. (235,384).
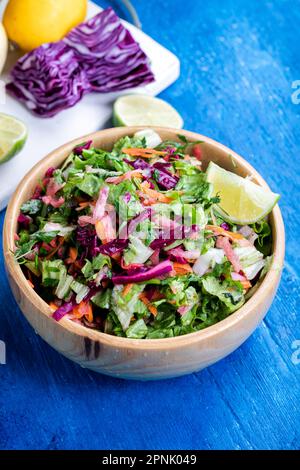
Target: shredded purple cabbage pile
(98,55)
(49,79)
(111,57)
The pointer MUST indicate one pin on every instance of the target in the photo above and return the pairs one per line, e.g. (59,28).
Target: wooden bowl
(153,358)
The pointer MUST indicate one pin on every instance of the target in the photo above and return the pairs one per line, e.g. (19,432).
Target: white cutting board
(89,115)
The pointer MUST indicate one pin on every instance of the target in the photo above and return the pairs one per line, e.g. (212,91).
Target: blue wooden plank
(239,60)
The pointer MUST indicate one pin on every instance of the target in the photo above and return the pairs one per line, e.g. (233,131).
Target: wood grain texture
(239,59)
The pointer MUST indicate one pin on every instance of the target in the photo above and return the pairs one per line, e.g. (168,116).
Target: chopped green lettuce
(137,252)
(124,306)
(251,260)
(230,294)
(264,240)
(102,299)
(32,207)
(129,142)
(51,270)
(137,330)
(90,184)
(80,289)
(64,285)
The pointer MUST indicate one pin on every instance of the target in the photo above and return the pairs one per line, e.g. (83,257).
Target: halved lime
(242,201)
(141,110)
(13,135)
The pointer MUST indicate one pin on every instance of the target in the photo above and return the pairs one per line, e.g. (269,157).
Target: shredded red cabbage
(111,58)
(24,220)
(161,243)
(98,55)
(166,180)
(49,173)
(133,223)
(48,79)
(135,269)
(37,192)
(113,247)
(138,219)
(93,291)
(177,233)
(138,164)
(64,310)
(162,165)
(150,291)
(178,259)
(225,226)
(160,270)
(127,197)
(85,146)
(87,238)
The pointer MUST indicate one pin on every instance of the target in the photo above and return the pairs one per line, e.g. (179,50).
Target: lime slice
(13,135)
(242,201)
(141,110)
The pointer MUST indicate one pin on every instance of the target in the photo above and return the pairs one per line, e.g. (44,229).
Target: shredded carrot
(116,257)
(60,243)
(53,306)
(77,265)
(100,230)
(145,153)
(53,243)
(147,202)
(79,199)
(125,176)
(226,233)
(130,266)
(197,151)
(182,269)
(105,229)
(152,309)
(30,283)
(84,309)
(73,253)
(89,314)
(83,205)
(246,284)
(153,194)
(127,289)
(157,295)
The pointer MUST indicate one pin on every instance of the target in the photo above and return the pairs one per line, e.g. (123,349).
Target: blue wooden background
(239,59)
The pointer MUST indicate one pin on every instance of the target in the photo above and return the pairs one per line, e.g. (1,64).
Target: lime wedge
(242,201)
(141,110)
(13,135)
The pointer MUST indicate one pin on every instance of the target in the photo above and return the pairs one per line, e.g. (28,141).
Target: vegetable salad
(127,241)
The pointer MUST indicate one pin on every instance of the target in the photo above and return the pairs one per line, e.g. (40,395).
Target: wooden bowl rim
(270,281)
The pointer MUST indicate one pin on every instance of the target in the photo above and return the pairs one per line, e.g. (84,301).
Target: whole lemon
(3,47)
(30,23)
